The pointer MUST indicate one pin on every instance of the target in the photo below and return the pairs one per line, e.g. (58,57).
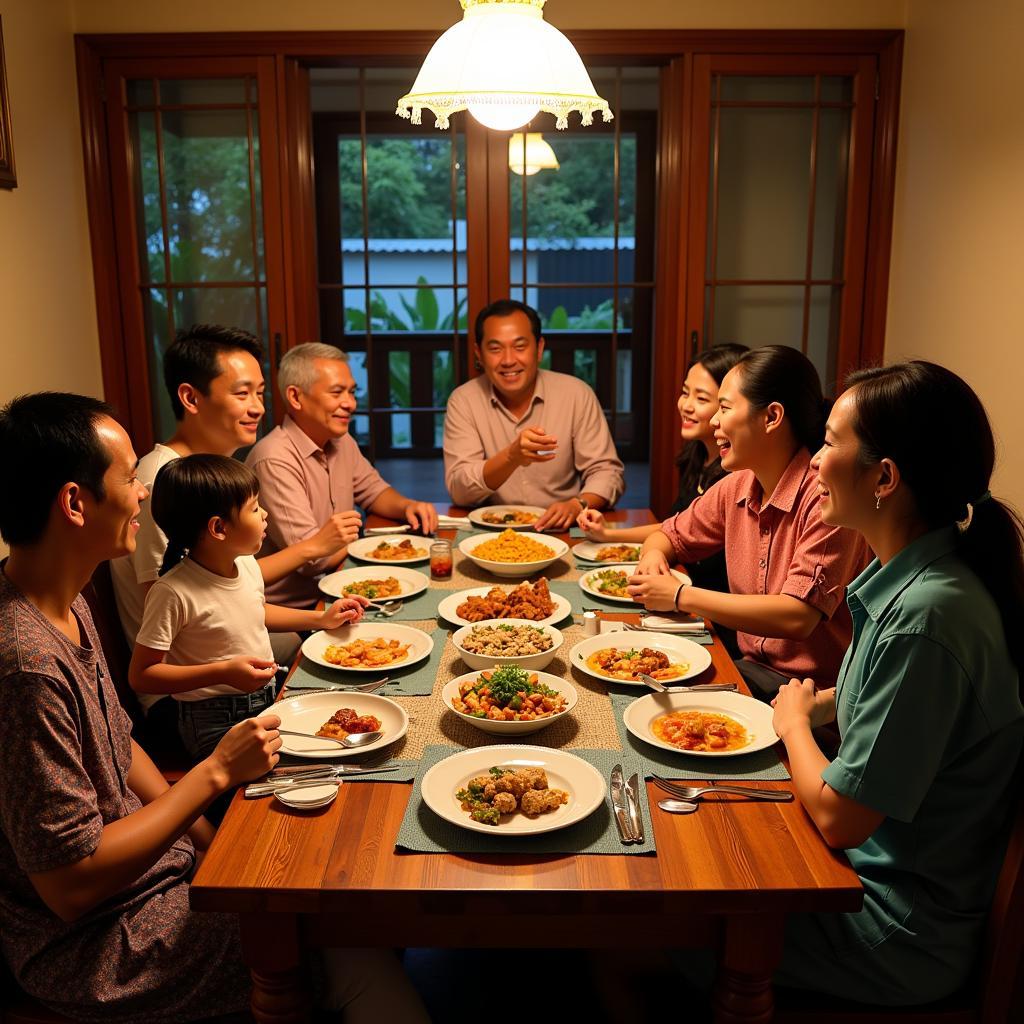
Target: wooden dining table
(725,877)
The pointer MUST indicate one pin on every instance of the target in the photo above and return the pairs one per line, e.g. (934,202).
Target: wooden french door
(781,172)
(193,151)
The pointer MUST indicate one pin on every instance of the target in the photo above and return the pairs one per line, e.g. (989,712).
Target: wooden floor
(423,479)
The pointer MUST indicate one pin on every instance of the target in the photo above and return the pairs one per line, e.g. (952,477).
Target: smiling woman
(787,570)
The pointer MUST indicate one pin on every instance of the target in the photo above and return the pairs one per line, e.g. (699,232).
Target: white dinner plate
(421,644)
(586,551)
(629,568)
(582,781)
(411,581)
(754,715)
(447,605)
(362,547)
(476,517)
(309,711)
(677,649)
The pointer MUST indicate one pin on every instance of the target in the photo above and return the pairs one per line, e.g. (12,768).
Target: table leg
(751,951)
(270,946)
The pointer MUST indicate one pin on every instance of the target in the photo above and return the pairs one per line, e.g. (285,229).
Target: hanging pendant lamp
(504,64)
(539,156)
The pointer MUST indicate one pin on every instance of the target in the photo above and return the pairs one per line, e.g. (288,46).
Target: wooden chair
(994,995)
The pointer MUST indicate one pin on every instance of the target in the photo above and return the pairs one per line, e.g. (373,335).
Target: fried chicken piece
(505,803)
(541,801)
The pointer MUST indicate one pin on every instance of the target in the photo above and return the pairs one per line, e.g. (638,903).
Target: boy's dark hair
(194,358)
(506,307)
(46,440)
(189,492)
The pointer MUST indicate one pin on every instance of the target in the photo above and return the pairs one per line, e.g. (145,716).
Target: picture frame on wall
(8,177)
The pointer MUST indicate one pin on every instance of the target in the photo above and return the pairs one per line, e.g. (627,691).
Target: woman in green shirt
(928,697)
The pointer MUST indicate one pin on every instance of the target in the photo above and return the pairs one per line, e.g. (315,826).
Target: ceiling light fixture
(536,155)
(504,64)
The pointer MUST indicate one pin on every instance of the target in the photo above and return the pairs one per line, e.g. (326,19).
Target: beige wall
(958,245)
(47,311)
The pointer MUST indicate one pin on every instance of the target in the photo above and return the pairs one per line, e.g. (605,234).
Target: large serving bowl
(530,661)
(514,569)
(510,729)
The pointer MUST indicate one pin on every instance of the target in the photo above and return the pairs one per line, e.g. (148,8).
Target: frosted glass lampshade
(504,63)
(539,154)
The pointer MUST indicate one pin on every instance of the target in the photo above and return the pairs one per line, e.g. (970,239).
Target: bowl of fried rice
(512,553)
(500,641)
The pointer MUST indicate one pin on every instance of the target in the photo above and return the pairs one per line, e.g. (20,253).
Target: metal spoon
(356,739)
(677,806)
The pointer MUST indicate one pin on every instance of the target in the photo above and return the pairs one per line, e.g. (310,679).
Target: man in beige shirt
(517,434)
(310,468)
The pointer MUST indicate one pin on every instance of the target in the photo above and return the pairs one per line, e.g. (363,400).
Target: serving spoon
(353,740)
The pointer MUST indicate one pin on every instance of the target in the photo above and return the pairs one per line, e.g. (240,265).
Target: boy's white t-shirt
(198,617)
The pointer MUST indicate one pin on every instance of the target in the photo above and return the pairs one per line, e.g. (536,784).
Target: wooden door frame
(292,52)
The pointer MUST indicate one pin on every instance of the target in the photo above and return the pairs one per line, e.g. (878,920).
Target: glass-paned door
(392,261)
(778,225)
(191,150)
(582,248)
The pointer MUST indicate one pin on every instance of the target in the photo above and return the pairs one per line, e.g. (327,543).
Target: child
(204,635)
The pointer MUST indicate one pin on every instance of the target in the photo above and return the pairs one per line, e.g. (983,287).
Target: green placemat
(414,681)
(762,764)
(422,831)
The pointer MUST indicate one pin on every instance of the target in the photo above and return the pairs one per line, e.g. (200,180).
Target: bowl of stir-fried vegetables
(509,700)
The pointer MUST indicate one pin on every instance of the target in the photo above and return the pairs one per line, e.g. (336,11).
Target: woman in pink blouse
(787,570)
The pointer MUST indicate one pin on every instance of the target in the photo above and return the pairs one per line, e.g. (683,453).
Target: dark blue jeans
(202,723)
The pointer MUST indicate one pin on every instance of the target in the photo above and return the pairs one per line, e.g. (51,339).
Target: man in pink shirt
(521,435)
(310,468)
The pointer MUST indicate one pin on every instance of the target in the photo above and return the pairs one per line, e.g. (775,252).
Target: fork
(695,792)
(387,609)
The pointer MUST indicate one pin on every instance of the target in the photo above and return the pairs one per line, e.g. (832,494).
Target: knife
(617,791)
(633,804)
(268,786)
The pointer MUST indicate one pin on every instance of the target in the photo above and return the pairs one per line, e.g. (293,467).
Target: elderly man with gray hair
(310,468)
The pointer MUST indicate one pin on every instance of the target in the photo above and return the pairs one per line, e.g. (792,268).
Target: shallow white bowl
(420,644)
(754,715)
(533,662)
(585,785)
(677,649)
(362,547)
(588,584)
(450,690)
(515,569)
(309,798)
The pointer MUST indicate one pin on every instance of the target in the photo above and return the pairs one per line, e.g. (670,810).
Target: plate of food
(509,700)
(391,550)
(513,554)
(610,583)
(621,657)
(338,715)
(533,601)
(376,585)
(499,641)
(702,724)
(513,789)
(368,647)
(506,517)
(620,554)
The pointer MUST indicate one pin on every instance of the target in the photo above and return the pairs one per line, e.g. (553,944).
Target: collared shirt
(929,712)
(301,486)
(778,546)
(477,426)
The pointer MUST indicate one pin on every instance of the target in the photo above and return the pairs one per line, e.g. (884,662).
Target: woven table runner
(422,831)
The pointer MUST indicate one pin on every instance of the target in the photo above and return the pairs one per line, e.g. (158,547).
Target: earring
(878,502)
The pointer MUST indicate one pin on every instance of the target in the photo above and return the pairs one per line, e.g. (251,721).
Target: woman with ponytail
(928,698)
(787,570)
